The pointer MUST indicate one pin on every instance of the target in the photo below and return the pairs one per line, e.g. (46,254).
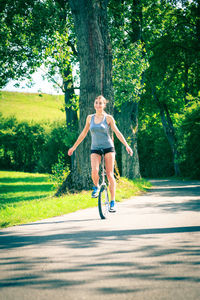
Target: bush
(58,139)
(20,144)
(154,151)
(155,155)
(190,137)
(60,171)
(33,147)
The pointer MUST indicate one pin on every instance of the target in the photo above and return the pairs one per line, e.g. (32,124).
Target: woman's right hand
(129,150)
(70,151)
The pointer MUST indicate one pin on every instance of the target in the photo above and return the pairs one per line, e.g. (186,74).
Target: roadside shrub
(7,132)
(58,139)
(155,155)
(60,171)
(190,146)
(21,144)
(33,147)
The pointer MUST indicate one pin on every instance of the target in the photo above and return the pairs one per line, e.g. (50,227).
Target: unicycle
(103,198)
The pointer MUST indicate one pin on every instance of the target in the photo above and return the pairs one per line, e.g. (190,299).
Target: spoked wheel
(103,202)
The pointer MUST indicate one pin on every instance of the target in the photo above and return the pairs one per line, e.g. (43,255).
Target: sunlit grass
(28,197)
(27,106)
(127,188)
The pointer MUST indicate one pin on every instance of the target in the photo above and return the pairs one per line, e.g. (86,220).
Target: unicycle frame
(103,198)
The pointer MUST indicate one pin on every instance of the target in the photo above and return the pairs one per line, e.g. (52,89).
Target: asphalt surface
(149,250)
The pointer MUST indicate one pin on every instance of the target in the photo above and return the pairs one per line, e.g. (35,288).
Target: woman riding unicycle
(99,124)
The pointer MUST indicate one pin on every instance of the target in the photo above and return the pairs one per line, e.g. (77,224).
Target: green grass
(28,197)
(26,106)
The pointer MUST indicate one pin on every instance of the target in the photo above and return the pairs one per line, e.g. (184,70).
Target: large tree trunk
(128,123)
(94,51)
(169,131)
(128,120)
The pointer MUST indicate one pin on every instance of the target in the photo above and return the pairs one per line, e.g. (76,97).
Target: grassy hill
(27,106)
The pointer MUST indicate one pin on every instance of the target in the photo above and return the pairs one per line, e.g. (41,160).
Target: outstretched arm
(81,136)
(119,135)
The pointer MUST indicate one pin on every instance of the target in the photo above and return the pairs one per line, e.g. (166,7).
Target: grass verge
(28,197)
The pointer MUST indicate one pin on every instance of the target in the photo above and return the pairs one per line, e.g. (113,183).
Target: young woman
(99,124)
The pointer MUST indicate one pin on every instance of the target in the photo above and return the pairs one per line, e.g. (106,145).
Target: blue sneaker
(112,206)
(95,192)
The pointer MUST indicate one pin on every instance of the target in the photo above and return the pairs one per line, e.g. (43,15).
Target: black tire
(103,202)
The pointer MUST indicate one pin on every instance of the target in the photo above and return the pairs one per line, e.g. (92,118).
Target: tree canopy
(155,60)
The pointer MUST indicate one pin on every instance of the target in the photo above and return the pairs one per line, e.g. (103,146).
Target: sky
(40,86)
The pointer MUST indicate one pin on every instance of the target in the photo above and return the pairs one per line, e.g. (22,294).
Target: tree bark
(128,123)
(169,131)
(128,120)
(94,52)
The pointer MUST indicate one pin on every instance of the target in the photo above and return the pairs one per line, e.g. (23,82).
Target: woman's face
(99,105)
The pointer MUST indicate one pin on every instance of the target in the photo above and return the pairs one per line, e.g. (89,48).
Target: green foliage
(154,151)
(20,144)
(156,39)
(33,147)
(170,33)
(129,60)
(190,137)
(128,66)
(58,139)
(32,34)
(60,171)
(59,58)
(26,29)
(172,46)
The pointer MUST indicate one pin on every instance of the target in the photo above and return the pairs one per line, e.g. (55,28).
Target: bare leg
(95,162)
(109,163)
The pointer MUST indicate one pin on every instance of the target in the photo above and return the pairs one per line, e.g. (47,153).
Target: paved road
(148,250)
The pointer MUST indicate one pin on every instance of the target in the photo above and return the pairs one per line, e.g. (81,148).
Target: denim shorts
(103,151)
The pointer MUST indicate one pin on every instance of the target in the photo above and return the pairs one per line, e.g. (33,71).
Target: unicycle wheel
(103,202)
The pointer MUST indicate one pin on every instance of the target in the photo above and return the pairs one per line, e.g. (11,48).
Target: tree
(59,58)
(25,33)
(30,37)
(128,68)
(173,57)
(190,134)
(95,57)
(127,73)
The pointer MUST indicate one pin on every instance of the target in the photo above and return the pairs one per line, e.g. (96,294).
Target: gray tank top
(100,135)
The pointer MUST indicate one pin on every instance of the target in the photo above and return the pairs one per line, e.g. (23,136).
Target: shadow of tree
(26,188)
(176,191)
(191,205)
(146,260)
(84,239)
(134,269)
(12,189)
(40,179)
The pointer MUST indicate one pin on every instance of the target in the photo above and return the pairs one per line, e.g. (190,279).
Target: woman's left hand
(129,150)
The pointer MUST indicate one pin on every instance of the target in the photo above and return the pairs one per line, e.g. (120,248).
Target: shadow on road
(131,268)
(84,238)
(170,188)
(177,193)
(140,256)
